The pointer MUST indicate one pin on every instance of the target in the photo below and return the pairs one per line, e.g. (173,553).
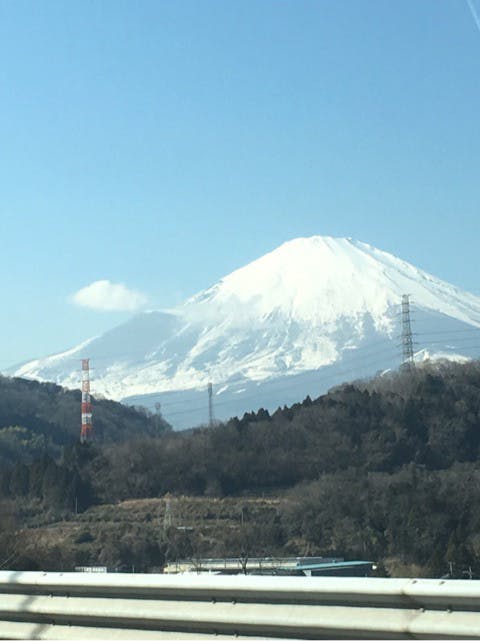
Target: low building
(290,566)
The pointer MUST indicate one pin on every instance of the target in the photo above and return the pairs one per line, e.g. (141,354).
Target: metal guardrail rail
(37,605)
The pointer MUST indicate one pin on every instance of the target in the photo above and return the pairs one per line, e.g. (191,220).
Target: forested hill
(386,469)
(39,418)
(429,417)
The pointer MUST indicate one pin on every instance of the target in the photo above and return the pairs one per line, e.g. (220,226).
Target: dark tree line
(431,419)
(384,468)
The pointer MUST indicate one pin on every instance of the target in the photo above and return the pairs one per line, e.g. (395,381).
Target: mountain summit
(320,279)
(292,322)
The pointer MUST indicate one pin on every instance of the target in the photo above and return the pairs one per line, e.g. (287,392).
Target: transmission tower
(167,518)
(211,419)
(407,336)
(86,431)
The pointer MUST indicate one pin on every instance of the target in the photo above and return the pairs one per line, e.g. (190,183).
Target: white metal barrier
(37,605)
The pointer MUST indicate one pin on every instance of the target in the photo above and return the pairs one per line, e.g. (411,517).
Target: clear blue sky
(162,144)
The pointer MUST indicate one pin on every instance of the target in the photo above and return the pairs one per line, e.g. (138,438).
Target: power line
(456,340)
(452,347)
(346,359)
(450,331)
(474,13)
(286,386)
(389,352)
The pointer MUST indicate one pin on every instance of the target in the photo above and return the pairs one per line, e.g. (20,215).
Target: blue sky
(160,145)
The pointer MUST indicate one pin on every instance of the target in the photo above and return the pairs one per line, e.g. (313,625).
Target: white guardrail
(38,605)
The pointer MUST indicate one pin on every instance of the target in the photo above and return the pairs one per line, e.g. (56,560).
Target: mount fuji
(310,314)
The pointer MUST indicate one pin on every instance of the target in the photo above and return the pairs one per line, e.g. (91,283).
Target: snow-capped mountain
(312,313)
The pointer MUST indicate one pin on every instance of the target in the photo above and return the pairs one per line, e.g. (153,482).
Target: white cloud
(106,296)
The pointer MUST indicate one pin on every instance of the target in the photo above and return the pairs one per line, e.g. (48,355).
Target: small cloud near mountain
(105,296)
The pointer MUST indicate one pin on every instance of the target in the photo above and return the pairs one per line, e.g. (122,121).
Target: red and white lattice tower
(86,432)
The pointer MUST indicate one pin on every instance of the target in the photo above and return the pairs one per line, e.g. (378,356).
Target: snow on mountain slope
(320,279)
(312,303)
